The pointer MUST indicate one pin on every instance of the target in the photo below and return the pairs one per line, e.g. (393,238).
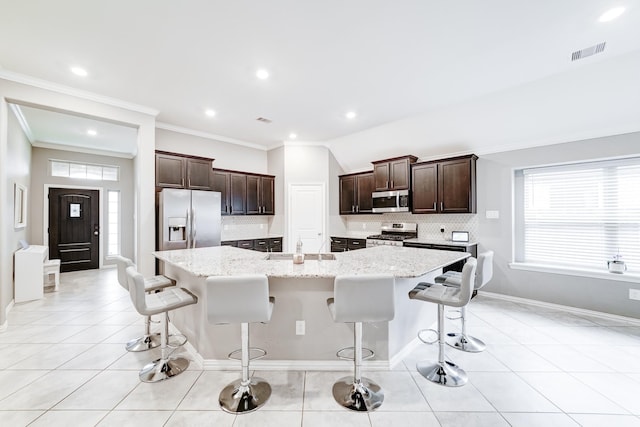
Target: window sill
(595,274)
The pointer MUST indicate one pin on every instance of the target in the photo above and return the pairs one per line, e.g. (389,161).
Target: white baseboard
(5,325)
(565,308)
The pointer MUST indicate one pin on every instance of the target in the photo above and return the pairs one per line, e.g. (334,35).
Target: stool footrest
(426,341)
(348,353)
(258,353)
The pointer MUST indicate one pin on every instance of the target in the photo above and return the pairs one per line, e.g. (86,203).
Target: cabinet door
(456,182)
(364,184)
(267,195)
(237,194)
(381,176)
(198,172)
(220,183)
(253,192)
(424,194)
(170,171)
(399,175)
(261,245)
(347,195)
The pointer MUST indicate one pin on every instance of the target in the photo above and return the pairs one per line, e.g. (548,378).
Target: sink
(277,256)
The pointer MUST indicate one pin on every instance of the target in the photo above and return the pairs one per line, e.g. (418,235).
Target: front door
(74,228)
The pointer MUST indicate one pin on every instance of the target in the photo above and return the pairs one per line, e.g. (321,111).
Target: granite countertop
(354,234)
(432,241)
(268,236)
(229,261)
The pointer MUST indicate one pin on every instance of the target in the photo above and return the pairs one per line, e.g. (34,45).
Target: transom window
(67,169)
(579,215)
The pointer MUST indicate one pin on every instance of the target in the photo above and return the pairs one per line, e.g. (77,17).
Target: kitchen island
(301,291)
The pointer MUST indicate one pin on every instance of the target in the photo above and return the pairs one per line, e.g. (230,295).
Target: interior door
(74,228)
(307,217)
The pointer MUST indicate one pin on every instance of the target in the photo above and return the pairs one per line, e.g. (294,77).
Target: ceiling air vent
(263,120)
(588,51)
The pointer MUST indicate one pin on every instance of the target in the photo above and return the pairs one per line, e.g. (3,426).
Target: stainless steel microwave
(390,201)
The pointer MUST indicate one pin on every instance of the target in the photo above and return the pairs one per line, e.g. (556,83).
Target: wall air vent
(263,120)
(588,51)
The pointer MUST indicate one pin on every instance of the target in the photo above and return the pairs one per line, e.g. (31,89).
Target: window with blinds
(581,215)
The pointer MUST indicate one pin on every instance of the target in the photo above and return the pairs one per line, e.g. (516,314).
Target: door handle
(193,227)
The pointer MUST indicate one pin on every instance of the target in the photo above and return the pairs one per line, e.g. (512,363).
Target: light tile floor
(63,363)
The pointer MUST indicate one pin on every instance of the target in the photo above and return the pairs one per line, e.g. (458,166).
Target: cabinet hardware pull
(441,206)
(391,183)
(189,182)
(386,184)
(182,182)
(434,206)
(353,208)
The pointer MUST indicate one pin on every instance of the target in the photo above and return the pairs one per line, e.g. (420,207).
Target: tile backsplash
(428,225)
(245,227)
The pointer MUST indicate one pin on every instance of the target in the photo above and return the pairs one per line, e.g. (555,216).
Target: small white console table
(29,273)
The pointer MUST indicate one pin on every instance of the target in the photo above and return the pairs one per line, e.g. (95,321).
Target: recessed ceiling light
(92,132)
(78,71)
(262,74)
(210,113)
(611,14)
(350,115)
(292,136)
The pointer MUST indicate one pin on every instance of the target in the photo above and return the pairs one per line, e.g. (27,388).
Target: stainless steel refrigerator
(188,219)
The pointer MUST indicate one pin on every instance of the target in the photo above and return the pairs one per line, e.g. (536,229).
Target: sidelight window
(579,216)
(113,222)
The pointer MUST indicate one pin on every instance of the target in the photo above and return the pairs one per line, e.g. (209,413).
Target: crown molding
(17,111)
(192,132)
(79,93)
(97,152)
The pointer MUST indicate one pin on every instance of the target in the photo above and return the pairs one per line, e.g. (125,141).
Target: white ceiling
(385,60)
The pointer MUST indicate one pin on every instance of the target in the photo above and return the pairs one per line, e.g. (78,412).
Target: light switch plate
(492,214)
(634,294)
(300,327)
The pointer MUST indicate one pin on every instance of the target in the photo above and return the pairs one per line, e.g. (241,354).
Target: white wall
(494,173)
(16,169)
(226,155)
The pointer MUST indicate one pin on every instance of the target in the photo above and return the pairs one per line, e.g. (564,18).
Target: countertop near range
(401,262)
(423,241)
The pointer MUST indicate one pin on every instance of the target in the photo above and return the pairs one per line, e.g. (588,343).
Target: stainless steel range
(393,234)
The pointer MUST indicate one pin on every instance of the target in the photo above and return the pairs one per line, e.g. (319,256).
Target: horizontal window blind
(581,215)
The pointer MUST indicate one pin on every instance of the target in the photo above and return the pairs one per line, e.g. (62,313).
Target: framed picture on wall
(19,206)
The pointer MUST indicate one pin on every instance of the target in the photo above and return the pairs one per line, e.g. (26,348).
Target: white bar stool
(358,299)
(241,299)
(151,284)
(52,266)
(484,273)
(162,302)
(444,372)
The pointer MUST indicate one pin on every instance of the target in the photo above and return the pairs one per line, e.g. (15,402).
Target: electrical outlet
(634,294)
(300,327)
(442,228)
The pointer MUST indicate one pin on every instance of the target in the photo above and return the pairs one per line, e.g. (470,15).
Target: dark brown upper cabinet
(393,174)
(444,186)
(260,194)
(244,194)
(180,171)
(355,193)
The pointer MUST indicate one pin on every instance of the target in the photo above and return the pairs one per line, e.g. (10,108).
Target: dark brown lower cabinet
(270,244)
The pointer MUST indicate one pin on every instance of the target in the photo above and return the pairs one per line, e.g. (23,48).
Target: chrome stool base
(163,369)
(144,343)
(236,398)
(364,395)
(448,373)
(465,343)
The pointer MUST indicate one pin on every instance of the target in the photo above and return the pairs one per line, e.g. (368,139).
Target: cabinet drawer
(354,244)
(245,244)
(233,243)
(261,245)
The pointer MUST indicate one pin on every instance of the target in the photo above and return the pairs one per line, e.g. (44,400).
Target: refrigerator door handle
(188,228)
(193,227)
